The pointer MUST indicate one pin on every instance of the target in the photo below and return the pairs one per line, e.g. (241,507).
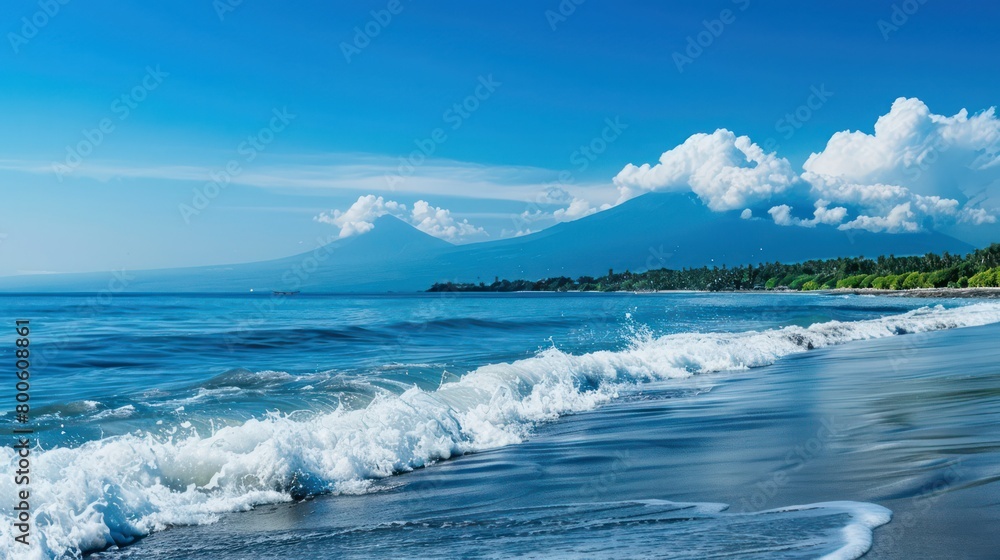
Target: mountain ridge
(656,230)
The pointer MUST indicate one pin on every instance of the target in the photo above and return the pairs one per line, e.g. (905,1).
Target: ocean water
(681,425)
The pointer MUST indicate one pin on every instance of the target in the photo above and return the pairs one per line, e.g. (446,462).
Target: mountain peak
(390,234)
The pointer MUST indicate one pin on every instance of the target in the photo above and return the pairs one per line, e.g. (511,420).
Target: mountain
(656,230)
(672,230)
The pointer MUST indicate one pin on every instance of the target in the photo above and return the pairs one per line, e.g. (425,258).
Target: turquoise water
(549,424)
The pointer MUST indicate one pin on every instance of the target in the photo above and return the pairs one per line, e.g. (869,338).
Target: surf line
(22,480)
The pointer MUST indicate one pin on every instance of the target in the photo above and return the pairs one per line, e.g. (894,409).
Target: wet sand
(900,422)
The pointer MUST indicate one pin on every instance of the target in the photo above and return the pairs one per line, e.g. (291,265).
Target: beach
(919,439)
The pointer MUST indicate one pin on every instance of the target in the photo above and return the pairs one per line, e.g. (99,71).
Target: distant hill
(656,230)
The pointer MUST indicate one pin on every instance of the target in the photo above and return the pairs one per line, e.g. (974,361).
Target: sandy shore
(924,292)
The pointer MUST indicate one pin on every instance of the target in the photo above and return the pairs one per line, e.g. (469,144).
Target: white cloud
(829,216)
(917,160)
(927,153)
(899,219)
(440,223)
(326,173)
(782,215)
(726,171)
(823,214)
(360,218)
(941,169)
(517,233)
(916,165)
(577,209)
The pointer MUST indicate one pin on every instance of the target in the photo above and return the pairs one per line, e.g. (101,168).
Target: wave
(115,490)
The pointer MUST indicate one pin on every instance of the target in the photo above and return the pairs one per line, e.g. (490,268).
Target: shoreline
(974,293)
(967,293)
(764,446)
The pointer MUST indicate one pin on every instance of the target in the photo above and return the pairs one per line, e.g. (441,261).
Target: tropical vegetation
(978,269)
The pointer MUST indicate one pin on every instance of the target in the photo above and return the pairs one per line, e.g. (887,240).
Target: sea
(527,425)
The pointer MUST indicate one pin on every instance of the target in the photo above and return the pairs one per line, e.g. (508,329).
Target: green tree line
(979,269)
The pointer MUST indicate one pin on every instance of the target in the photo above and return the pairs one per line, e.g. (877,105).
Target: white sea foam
(114,490)
(120,412)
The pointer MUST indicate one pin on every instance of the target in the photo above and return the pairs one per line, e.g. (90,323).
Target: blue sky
(185,91)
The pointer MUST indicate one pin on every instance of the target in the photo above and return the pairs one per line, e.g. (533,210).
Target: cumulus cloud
(916,167)
(725,171)
(917,162)
(899,219)
(440,223)
(577,209)
(830,216)
(823,214)
(360,218)
(782,215)
(927,153)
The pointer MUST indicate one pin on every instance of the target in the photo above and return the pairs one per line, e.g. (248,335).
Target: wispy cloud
(335,172)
